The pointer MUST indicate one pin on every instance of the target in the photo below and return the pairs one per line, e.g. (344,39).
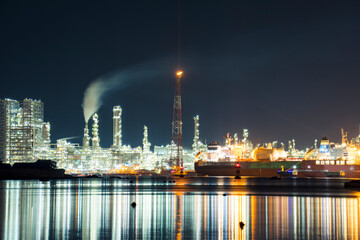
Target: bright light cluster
(25,137)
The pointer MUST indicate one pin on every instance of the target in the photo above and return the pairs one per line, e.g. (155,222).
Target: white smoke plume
(93,96)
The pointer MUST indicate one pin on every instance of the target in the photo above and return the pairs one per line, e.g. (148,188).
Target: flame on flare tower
(176,155)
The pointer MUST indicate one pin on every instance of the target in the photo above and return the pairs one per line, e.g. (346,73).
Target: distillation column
(196,135)
(95,132)
(146,144)
(236,139)
(86,138)
(117,127)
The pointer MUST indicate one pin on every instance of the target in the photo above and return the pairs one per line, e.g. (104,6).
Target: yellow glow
(179,73)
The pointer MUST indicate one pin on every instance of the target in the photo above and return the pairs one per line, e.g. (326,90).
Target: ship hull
(301,169)
(311,169)
(246,168)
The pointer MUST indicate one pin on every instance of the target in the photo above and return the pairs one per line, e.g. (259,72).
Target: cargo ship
(329,160)
(239,158)
(245,168)
(231,160)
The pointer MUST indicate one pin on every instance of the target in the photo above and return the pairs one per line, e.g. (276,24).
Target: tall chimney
(117,126)
(86,139)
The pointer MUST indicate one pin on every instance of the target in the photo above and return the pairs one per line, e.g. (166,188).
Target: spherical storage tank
(268,154)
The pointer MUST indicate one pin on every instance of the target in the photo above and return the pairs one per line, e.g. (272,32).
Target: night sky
(282,69)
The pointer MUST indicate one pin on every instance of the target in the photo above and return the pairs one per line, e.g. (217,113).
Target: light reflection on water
(186,209)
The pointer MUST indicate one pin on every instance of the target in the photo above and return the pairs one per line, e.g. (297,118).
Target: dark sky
(282,69)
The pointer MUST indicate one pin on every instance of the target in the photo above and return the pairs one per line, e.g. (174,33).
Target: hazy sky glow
(282,69)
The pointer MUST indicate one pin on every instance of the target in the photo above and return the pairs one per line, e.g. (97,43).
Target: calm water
(189,208)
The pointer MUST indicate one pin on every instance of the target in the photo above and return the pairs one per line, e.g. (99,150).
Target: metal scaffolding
(176,157)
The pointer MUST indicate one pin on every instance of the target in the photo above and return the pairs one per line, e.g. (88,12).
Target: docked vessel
(244,168)
(239,159)
(329,160)
(327,168)
(332,160)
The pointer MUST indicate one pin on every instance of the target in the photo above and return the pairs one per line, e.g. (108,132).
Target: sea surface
(179,208)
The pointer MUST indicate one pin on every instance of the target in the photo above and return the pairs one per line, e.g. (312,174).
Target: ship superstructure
(332,159)
(347,152)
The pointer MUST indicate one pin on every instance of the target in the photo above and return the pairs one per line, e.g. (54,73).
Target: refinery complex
(25,138)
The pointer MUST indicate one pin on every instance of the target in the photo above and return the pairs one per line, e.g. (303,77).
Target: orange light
(179,73)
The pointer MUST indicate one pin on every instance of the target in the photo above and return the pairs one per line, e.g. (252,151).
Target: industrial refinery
(25,138)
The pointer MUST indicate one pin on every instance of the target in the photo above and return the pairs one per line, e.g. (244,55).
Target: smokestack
(95,132)
(117,126)
(86,138)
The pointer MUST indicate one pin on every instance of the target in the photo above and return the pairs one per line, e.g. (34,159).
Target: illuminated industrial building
(24,136)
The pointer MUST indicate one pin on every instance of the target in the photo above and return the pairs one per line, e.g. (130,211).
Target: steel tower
(176,156)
